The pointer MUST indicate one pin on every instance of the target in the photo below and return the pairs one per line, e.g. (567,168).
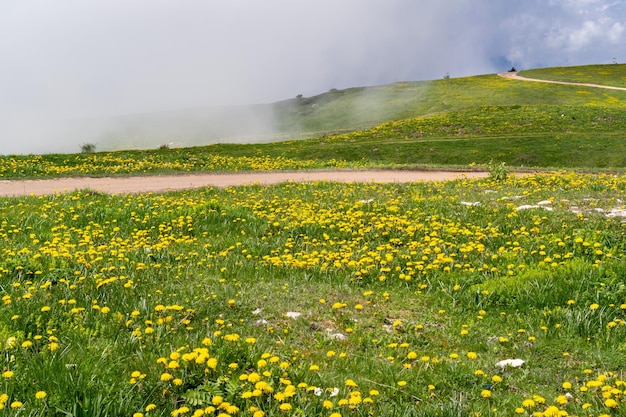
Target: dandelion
(40,395)
(350,383)
(485,393)
(610,403)
(472,355)
(561,399)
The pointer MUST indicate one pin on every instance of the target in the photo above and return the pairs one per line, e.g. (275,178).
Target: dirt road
(160,183)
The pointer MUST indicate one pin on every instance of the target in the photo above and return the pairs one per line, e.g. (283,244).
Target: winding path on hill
(160,183)
(514,76)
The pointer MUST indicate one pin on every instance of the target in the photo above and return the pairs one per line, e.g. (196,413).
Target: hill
(452,122)
(344,110)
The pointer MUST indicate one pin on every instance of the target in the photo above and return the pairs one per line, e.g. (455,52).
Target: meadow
(317,299)
(489,297)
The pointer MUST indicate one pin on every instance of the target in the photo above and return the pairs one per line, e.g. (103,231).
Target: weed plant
(317,299)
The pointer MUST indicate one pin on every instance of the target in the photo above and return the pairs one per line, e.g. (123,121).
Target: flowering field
(470,297)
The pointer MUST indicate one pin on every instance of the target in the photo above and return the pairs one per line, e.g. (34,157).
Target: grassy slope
(443,122)
(613,75)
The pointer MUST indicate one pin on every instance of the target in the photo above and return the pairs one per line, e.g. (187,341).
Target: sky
(74,59)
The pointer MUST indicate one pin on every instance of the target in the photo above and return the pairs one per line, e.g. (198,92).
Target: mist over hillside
(294,118)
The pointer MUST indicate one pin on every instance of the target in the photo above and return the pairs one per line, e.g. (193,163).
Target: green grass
(612,75)
(178,301)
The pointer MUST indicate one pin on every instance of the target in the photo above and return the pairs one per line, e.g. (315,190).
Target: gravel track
(160,183)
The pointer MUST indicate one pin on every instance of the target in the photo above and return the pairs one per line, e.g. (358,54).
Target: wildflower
(7,374)
(485,393)
(16,404)
(472,355)
(611,403)
(561,399)
(285,407)
(350,383)
(40,395)
(552,411)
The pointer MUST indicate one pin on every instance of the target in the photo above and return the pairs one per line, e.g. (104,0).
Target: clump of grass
(497,171)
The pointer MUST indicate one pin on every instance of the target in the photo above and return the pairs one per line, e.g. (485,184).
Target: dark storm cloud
(76,59)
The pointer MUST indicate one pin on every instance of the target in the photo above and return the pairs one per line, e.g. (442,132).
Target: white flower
(318,391)
(257,311)
(333,392)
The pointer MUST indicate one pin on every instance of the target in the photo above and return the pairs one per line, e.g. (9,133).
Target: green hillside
(613,75)
(450,122)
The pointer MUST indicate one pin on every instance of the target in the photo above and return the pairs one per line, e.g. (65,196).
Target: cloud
(72,59)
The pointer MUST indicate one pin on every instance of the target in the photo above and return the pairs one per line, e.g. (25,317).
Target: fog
(72,72)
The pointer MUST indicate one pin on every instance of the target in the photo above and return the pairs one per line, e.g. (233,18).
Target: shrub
(88,147)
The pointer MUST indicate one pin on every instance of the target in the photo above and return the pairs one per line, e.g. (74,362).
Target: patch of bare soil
(160,183)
